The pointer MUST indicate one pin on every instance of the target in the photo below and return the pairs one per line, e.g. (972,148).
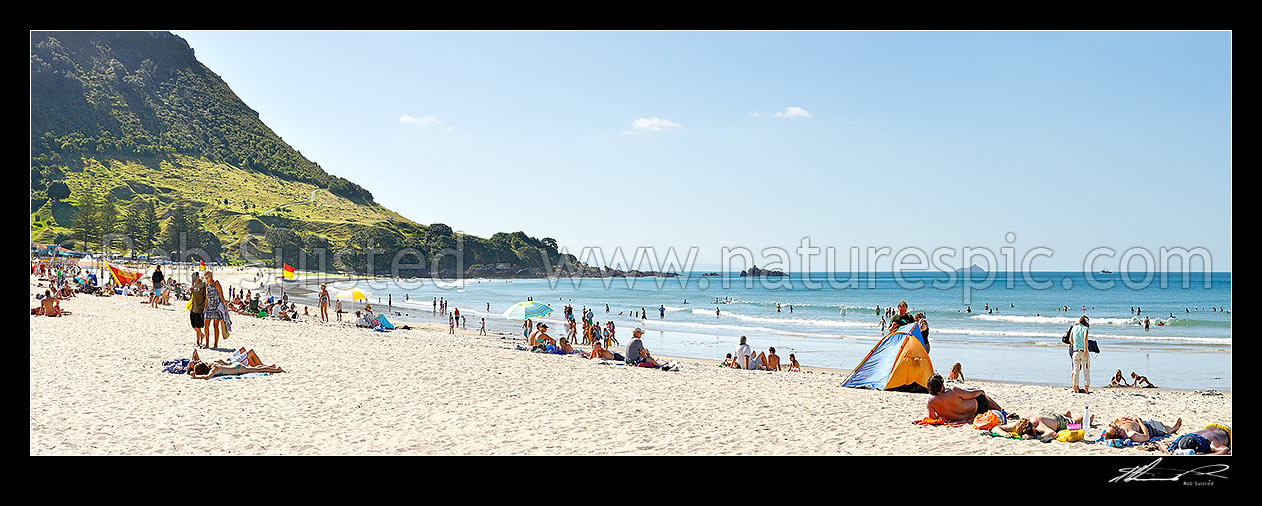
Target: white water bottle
(1086,421)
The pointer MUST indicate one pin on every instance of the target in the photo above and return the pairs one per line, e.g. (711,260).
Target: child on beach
(793,364)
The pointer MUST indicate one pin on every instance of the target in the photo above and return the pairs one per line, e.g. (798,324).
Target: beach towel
(384,322)
(223,310)
(241,376)
(1123,443)
(380,329)
(934,421)
(1005,436)
(175,366)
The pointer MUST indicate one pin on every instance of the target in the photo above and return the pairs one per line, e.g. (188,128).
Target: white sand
(97,388)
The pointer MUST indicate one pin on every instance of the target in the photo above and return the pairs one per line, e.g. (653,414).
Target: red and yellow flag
(289,271)
(203,265)
(123,277)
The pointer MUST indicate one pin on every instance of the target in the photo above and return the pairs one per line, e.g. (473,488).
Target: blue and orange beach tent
(898,362)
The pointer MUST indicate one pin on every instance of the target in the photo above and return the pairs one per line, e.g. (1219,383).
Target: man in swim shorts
(957,404)
(1214,439)
(1139,430)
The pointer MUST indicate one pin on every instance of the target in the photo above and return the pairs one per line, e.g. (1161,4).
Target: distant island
(972,269)
(755,271)
(710,274)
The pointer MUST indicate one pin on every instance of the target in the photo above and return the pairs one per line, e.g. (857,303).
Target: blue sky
(1071,140)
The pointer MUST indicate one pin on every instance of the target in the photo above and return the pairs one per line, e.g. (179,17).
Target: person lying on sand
(1042,426)
(957,373)
(599,351)
(957,404)
(1118,380)
(207,370)
(1140,379)
(1139,430)
(1214,439)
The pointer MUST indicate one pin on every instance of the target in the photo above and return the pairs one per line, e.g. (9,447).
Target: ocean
(1011,334)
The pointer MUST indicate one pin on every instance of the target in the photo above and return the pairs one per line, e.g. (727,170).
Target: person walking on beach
(1081,359)
(482,331)
(324,303)
(197,302)
(339,309)
(662,309)
(451,324)
(213,316)
(435,305)
(157,285)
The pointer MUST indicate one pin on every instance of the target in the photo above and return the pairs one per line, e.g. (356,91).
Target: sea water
(835,325)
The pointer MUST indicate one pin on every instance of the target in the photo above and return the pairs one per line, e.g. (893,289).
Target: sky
(1069,141)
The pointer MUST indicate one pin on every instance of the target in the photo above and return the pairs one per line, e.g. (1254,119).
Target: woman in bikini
(324,303)
(207,370)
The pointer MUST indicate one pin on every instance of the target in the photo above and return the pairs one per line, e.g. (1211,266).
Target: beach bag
(987,420)
(1065,339)
(189,306)
(1092,346)
(1069,436)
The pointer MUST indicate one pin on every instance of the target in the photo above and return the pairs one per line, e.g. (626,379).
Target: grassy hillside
(134,116)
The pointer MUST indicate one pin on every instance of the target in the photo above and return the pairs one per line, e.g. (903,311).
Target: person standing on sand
(339,309)
(197,301)
(212,315)
(451,324)
(157,285)
(1081,360)
(324,303)
(482,331)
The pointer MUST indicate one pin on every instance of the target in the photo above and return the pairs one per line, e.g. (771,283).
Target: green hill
(134,119)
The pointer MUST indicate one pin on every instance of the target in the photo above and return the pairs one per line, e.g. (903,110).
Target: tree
(107,219)
(148,226)
(58,191)
(86,218)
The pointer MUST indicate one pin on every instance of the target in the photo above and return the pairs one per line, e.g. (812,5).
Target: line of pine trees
(98,219)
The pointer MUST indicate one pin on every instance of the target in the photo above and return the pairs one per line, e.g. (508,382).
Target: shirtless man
(1139,430)
(599,351)
(207,370)
(1214,439)
(1043,426)
(772,360)
(957,404)
(48,306)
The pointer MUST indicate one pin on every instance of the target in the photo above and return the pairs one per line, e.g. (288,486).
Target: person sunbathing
(772,360)
(1139,430)
(564,346)
(207,370)
(957,372)
(1141,379)
(1214,439)
(1118,380)
(599,351)
(1042,426)
(49,305)
(957,404)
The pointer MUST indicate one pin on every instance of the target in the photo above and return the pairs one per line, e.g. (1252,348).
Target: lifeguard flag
(203,265)
(123,276)
(289,271)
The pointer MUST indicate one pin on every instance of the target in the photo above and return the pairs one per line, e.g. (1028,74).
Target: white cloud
(450,129)
(422,121)
(653,125)
(757,114)
(793,112)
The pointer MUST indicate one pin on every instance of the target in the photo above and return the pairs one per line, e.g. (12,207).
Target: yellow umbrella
(353,294)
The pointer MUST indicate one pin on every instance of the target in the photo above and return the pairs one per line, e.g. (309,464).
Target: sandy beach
(97,387)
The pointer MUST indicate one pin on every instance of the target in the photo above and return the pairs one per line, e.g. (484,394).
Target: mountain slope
(135,116)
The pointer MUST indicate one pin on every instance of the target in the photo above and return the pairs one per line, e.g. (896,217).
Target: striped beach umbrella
(527,310)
